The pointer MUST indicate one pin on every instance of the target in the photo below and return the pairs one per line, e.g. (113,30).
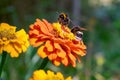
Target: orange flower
(56,42)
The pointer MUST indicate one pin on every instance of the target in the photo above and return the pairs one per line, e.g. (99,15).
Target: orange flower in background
(42,75)
(11,41)
(56,42)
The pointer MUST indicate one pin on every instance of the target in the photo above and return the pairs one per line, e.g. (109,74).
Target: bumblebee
(63,19)
(77,31)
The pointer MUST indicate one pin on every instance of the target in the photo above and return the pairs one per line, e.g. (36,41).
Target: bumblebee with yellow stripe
(63,19)
(78,32)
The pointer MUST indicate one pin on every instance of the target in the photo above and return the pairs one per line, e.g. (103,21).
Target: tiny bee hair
(63,19)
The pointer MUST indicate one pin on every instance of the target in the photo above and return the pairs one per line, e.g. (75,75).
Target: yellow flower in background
(42,75)
(12,41)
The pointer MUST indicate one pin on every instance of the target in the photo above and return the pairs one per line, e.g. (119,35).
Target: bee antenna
(72,22)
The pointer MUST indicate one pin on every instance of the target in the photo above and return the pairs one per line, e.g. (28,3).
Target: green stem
(44,63)
(4,55)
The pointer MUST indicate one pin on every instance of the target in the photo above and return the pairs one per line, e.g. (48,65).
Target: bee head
(63,16)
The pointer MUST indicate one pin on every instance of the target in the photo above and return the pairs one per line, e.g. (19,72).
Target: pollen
(8,34)
(63,31)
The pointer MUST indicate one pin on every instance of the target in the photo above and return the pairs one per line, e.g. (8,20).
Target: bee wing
(83,29)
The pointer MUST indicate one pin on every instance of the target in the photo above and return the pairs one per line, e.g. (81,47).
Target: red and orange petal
(58,49)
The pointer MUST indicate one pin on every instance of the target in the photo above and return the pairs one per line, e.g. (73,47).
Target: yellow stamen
(8,34)
(62,33)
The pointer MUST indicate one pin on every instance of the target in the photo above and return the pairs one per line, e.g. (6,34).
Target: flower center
(9,34)
(63,32)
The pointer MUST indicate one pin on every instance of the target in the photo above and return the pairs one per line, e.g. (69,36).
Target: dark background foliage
(100,17)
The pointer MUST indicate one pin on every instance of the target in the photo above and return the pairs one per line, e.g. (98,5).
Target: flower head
(42,75)
(56,42)
(11,41)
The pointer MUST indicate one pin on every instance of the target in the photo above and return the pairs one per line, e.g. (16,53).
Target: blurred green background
(100,17)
